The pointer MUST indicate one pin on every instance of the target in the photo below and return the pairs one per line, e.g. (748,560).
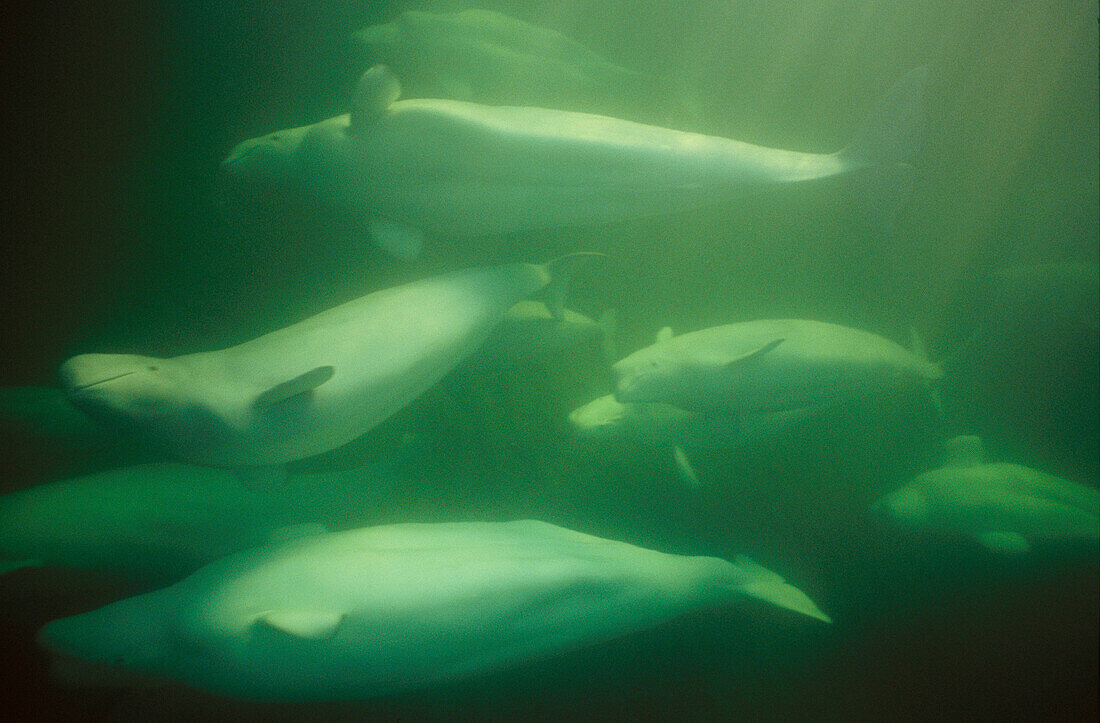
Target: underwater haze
(945,206)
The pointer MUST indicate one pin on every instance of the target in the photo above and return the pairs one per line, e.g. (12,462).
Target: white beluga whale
(406,168)
(1004,507)
(485,57)
(605,418)
(312,386)
(767,366)
(382,610)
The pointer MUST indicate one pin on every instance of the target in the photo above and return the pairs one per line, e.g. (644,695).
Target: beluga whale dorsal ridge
(388,609)
(406,168)
(312,386)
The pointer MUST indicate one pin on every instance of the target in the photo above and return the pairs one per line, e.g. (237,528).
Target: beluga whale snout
(90,377)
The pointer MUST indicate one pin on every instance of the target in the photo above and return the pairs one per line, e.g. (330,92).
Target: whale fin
(663,334)
(1003,541)
(755,353)
(304,624)
(557,285)
(403,243)
(768,586)
(894,131)
(301,384)
(376,90)
(884,148)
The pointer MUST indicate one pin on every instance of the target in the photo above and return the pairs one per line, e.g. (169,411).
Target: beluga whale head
(137,393)
(656,373)
(115,646)
(908,507)
(265,162)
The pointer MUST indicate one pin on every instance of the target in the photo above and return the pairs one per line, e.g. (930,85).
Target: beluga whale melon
(1004,507)
(312,386)
(406,168)
(382,610)
(768,365)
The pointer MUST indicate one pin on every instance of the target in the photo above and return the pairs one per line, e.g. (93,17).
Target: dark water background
(116,114)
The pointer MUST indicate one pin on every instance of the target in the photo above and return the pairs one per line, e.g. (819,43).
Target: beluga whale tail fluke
(886,146)
(894,131)
(763,584)
(559,271)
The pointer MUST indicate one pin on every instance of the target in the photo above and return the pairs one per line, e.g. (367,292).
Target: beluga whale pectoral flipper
(410,168)
(312,386)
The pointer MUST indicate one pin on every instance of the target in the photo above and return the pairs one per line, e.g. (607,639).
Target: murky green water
(122,239)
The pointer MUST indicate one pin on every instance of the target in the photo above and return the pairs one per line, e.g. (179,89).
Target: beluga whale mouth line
(101,381)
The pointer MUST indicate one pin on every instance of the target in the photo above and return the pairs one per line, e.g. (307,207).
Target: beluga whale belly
(312,386)
(459,169)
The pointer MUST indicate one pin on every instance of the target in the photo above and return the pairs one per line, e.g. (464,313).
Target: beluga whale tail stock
(406,169)
(312,386)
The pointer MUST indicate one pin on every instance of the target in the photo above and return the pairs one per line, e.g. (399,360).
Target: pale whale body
(1004,507)
(309,387)
(767,365)
(485,57)
(387,609)
(460,169)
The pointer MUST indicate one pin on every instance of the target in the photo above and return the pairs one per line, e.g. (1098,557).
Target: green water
(117,115)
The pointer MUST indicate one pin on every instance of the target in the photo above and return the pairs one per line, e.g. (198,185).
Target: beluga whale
(1004,507)
(483,56)
(407,168)
(770,365)
(389,609)
(312,386)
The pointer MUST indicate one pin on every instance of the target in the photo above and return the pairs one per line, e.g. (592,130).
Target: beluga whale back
(312,386)
(457,169)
